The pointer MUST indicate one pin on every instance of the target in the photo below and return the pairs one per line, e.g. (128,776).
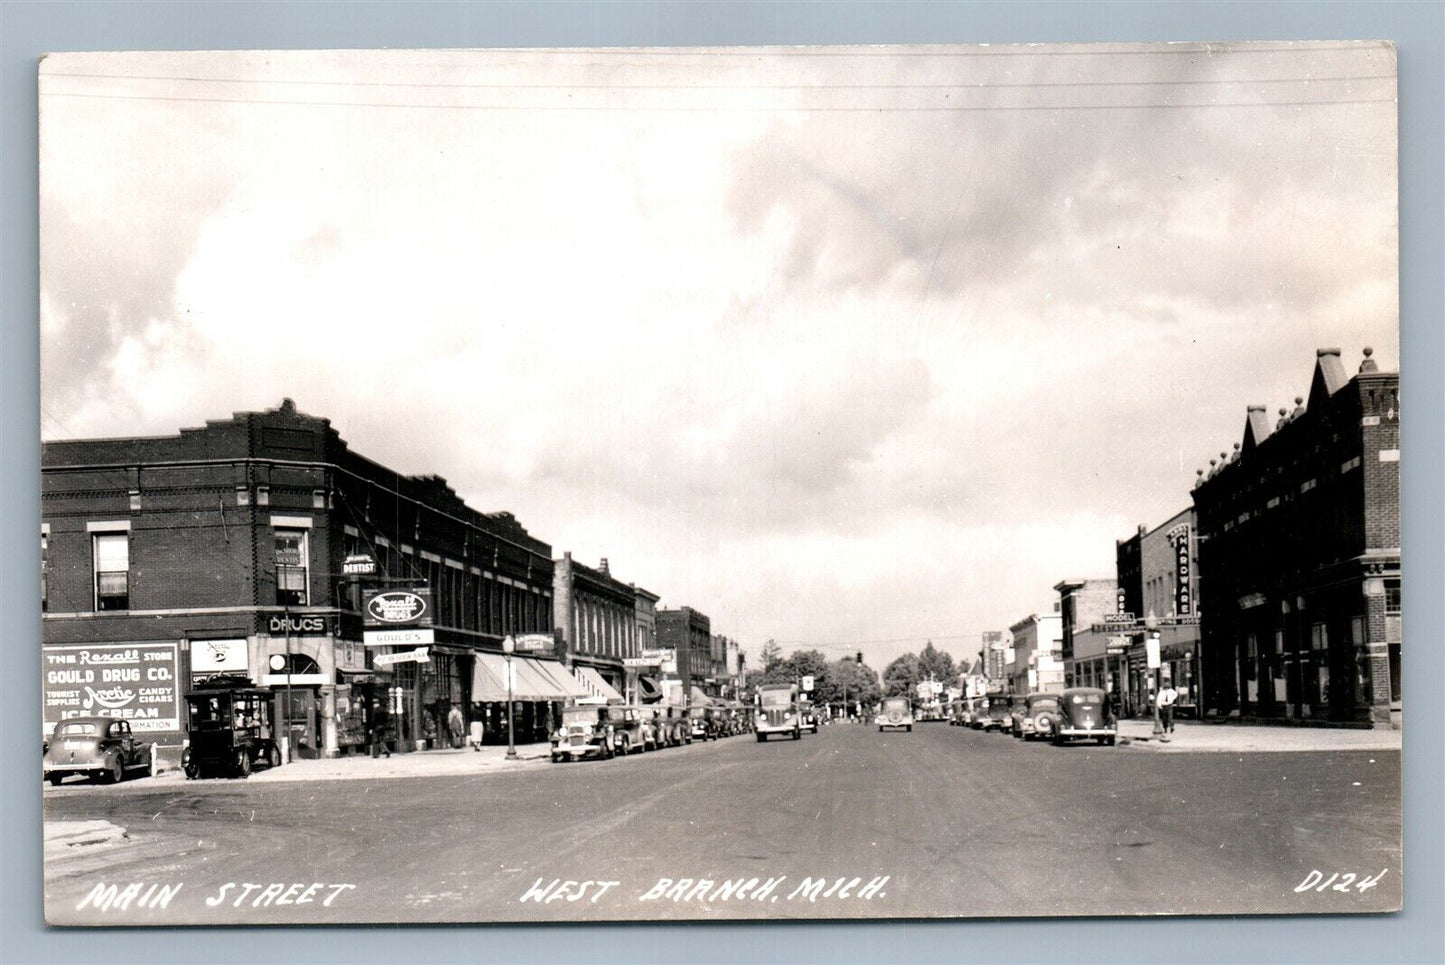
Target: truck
(777,711)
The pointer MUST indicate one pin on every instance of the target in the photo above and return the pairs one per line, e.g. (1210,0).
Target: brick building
(1083,606)
(596,614)
(688,632)
(221,549)
(1158,592)
(1299,558)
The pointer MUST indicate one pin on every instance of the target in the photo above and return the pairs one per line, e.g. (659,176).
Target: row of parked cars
(1078,713)
(604,731)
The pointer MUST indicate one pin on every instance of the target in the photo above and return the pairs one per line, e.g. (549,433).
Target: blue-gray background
(29,29)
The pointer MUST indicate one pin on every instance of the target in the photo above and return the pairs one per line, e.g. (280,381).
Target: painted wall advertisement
(133,681)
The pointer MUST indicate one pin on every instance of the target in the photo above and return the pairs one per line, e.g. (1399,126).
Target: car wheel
(762,738)
(624,747)
(1110,742)
(273,756)
(243,763)
(55,778)
(114,772)
(910,728)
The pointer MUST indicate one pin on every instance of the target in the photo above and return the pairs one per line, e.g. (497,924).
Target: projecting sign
(398,638)
(808,683)
(209,657)
(358,564)
(419,655)
(397,608)
(534,642)
(1151,652)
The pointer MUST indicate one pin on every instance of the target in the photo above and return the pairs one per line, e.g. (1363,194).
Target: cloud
(831,347)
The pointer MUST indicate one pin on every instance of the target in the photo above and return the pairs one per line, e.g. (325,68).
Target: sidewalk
(1193,736)
(437,763)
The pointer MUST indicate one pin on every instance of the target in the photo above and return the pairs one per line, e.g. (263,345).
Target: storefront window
(291,567)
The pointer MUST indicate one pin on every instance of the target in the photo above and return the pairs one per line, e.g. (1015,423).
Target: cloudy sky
(848,347)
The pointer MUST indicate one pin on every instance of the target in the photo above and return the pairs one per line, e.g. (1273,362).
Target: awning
(599,687)
(649,688)
(556,676)
(700,699)
(535,679)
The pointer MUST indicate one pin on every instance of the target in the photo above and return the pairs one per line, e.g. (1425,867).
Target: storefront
(137,682)
(539,689)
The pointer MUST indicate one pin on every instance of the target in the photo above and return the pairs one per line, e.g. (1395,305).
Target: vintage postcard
(720,483)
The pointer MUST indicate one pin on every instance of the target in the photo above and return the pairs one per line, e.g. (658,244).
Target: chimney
(602,567)
(1322,352)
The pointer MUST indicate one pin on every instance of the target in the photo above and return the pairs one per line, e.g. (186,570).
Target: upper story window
(44,567)
(292,567)
(112,571)
(1392,598)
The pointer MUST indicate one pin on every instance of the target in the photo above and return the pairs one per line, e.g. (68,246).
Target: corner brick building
(1299,555)
(166,560)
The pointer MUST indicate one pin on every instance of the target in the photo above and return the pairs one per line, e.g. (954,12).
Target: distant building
(688,632)
(1083,606)
(596,614)
(1038,654)
(1299,558)
(1158,592)
(995,656)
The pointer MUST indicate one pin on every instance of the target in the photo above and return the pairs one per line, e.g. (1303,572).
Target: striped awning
(598,687)
(533,679)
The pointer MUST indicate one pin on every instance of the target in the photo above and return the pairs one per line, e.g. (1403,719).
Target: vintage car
(700,726)
(1084,713)
(1040,716)
(808,711)
(998,715)
(676,729)
(230,730)
(632,729)
(102,748)
(585,731)
(977,712)
(896,713)
(1017,709)
(777,712)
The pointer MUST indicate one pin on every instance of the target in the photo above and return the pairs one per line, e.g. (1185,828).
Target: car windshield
(1044,703)
(775,698)
(896,704)
(995,702)
(78,729)
(575,717)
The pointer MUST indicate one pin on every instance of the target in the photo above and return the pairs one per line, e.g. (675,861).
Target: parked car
(1040,716)
(1084,713)
(230,730)
(631,731)
(896,713)
(698,726)
(1017,710)
(997,715)
(102,748)
(585,732)
(977,712)
(808,711)
(676,728)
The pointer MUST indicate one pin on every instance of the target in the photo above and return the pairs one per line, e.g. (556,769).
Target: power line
(577,108)
(447,85)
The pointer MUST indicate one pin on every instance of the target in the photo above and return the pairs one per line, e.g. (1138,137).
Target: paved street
(959,823)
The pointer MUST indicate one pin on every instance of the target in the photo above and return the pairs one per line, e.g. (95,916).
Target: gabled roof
(1329,376)
(1256,428)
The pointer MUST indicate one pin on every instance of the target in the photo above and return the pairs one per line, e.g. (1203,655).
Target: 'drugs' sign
(130,681)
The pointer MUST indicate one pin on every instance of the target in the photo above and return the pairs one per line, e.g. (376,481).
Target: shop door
(298,719)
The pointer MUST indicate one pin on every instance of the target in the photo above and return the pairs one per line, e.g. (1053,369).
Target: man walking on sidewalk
(1167,696)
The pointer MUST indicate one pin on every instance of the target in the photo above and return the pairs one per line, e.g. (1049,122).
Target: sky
(851,348)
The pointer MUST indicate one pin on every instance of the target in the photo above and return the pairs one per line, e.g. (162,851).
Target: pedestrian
(1167,696)
(456,725)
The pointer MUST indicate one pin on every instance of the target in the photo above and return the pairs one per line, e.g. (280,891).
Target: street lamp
(1151,624)
(508,646)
